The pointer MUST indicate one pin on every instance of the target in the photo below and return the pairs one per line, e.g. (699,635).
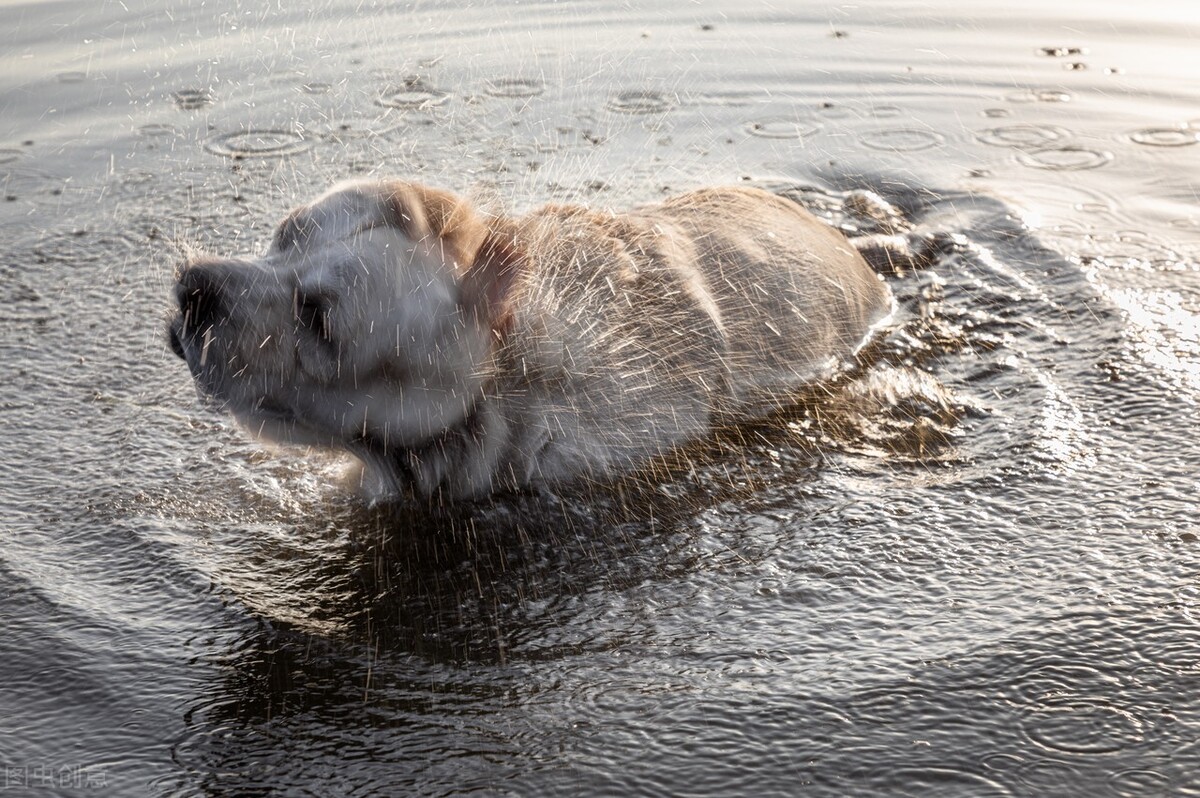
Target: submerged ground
(969,571)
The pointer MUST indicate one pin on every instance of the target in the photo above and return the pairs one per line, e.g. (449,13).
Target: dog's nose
(198,292)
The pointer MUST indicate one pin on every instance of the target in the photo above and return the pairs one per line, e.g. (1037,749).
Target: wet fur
(460,354)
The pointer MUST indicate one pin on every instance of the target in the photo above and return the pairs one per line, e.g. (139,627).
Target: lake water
(970,570)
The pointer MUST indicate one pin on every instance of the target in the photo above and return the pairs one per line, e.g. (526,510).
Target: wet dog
(460,354)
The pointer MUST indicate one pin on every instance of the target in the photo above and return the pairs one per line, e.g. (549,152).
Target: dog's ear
(488,259)
(421,212)
(487,283)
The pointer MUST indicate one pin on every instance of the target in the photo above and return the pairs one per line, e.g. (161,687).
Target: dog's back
(634,332)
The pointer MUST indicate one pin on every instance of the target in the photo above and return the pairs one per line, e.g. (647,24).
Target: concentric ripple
(258,144)
(412,97)
(1081,726)
(1040,96)
(157,130)
(640,101)
(780,128)
(1139,782)
(1165,136)
(193,99)
(902,139)
(514,87)
(1039,136)
(1064,159)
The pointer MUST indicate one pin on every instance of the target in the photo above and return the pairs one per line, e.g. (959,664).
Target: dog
(459,354)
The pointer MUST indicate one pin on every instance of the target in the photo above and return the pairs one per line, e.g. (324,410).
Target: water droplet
(902,139)
(1023,136)
(639,101)
(1165,136)
(1065,159)
(781,128)
(258,144)
(996,113)
(71,77)
(515,87)
(317,88)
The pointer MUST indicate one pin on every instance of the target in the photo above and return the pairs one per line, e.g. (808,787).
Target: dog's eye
(312,313)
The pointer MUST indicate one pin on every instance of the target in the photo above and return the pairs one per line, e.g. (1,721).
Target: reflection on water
(965,567)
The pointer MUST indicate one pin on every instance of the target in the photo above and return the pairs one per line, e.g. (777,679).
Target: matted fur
(460,354)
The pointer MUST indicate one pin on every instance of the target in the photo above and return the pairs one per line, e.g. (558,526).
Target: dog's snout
(198,292)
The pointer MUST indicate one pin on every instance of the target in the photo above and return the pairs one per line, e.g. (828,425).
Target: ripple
(731,99)
(21,182)
(317,88)
(412,96)
(829,110)
(1136,783)
(1065,159)
(515,87)
(780,128)
(933,781)
(1001,761)
(1023,136)
(193,99)
(1048,777)
(902,139)
(1039,96)
(258,144)
(1047,678)
(8,155)
(360,127)
(1079,726)
(995,113)
(1165,136)
(157,130)
(885,111)
(639,101)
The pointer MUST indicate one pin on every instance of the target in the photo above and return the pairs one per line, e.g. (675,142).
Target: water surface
(968,570)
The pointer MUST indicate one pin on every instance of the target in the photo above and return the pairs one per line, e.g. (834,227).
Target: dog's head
(367,325)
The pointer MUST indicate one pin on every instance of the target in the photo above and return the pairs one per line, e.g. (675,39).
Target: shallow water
(968,569)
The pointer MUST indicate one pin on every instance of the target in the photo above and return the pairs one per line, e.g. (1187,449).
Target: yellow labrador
(460,354)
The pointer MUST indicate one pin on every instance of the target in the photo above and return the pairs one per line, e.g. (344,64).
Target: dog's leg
(904,252)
